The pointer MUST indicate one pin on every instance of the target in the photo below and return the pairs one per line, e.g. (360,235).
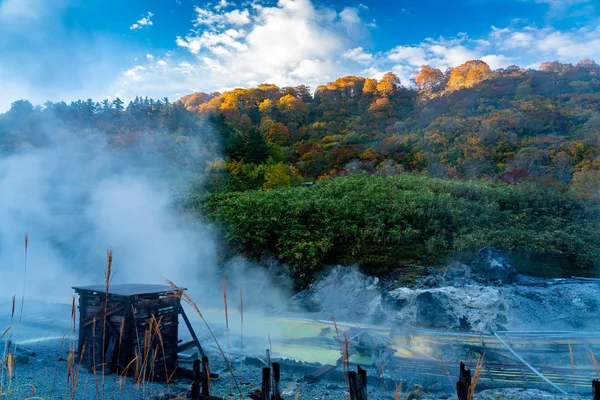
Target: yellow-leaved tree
(279,176)
(428,79)
(468,74)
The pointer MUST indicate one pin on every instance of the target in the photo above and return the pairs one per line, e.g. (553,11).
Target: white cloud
(215,42)
(358,55)
(296,41)
(550,44)
(222,4)
(289,43)
(144,21)
(521,39)
(412,55)
(350,15)
(373,72)
(448,56)
(496,61)
(207,17)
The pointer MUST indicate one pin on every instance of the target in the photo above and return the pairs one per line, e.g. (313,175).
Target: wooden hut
(134,331)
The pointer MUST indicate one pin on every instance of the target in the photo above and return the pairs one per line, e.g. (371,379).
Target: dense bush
(384,222)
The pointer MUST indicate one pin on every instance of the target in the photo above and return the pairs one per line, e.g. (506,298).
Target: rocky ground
(45,377)
(485,296)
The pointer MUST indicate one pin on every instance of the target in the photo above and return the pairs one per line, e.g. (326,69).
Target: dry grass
(107,277)
(398,391)
(242,334)
(224,287)
(190,301)
(343,352)
(439,357)
(7,362)
(346,361)
(141,367)
(573,369)
(381,375)
(476,375)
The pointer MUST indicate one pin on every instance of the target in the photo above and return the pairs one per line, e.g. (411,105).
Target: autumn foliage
(507,128)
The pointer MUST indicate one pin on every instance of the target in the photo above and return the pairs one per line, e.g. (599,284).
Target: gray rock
(390,302)
(433,310)
(493,265)
(333,293)
(418,392)
(430,281)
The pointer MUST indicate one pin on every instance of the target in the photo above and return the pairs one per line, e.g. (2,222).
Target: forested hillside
(379,173)
(159,132)
(508,125)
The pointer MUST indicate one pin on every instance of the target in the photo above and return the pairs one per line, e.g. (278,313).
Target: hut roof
(127,289)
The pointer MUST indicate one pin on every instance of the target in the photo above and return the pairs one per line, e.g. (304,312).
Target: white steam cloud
(75,199)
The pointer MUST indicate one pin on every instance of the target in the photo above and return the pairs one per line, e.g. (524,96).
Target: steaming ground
(75,198)
(454,295)
(43,327)
(74,205)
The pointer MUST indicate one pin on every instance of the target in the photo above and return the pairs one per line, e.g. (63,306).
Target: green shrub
(382,223)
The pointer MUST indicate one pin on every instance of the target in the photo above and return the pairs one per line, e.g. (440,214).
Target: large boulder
(493,265)
(433,310)
(345,293)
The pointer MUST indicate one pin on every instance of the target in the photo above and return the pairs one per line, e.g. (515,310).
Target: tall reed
(224,287)
(107,276)
(241,335)
(190,301)
(477,374)
(573,369)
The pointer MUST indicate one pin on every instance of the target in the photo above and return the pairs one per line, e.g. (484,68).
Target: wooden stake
(464,383)
(196,381)
(362,384)
(276,379)
(205,377)
(353,385)
(268,358)
(266,383)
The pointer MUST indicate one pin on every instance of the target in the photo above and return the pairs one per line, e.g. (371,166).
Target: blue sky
(69,49)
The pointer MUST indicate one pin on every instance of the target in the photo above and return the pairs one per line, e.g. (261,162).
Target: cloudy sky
(70,49)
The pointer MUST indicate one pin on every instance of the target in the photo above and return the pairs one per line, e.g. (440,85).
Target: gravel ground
(46,328)
(45,377)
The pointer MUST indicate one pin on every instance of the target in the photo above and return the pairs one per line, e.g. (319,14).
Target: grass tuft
(190,301)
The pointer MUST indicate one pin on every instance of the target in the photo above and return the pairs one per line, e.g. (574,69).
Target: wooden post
(362,384)
(353,385)
(596,389)
(276,379)
(205,377)
(189,326)
(196,381)
(266,383)
(268,358)
(464,383)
